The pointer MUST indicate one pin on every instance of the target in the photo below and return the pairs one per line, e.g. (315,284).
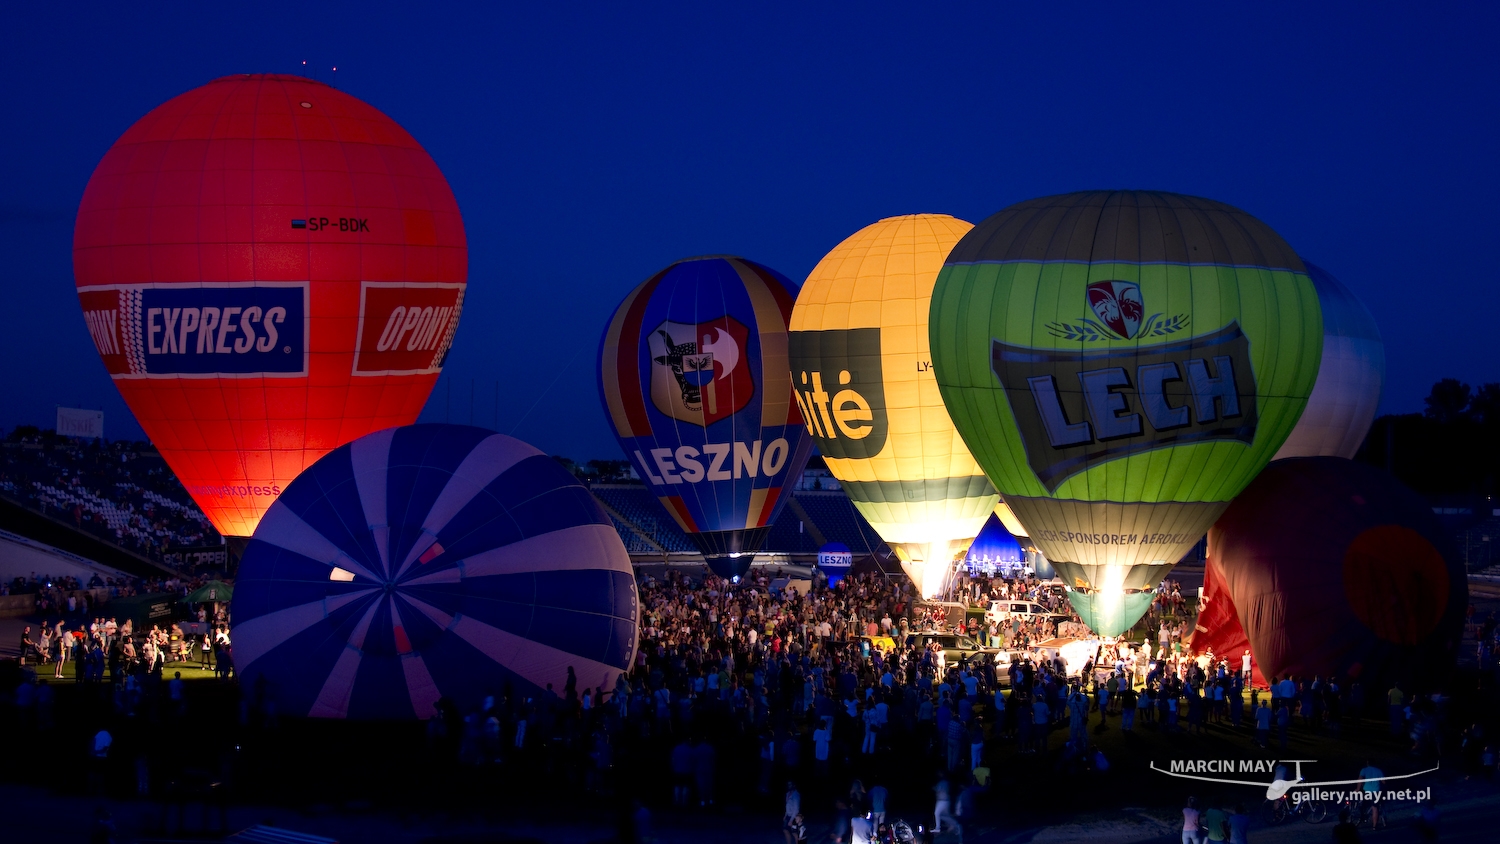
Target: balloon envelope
(1121,363)
(834,559)
(430,561)
(269,268)
(863,374)
(1336,569)
(1218,628)
(1347,393)
(693,377)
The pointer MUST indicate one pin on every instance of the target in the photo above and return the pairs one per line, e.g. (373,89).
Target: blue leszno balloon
(429,561)
(694,378)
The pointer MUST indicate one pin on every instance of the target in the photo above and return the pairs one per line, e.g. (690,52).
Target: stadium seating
(121,492)
(836,518)
(638,506)
(125,494)
(831,513)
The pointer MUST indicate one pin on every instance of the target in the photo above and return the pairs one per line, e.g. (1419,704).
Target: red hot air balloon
(269,268)
(1334,568)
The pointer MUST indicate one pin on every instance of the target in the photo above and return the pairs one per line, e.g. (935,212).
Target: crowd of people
(64,597)
(841,698)
(821,684)
(105,650)
(75,628)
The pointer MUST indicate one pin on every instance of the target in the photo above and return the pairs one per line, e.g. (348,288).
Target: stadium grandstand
(811,518)
(123,494)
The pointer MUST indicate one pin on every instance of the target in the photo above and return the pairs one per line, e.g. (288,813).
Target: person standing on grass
(1041,719)
(1216,821)
(878,796)
(1190,822)
(26,644)
(60,651)
(1372,777)
(1397,708)
(1263,725)
(1128,699)
(1239,826)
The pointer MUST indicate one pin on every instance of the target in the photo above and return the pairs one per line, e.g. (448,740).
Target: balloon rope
(544,393)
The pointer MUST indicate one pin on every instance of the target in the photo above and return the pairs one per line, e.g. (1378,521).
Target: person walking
(943,818)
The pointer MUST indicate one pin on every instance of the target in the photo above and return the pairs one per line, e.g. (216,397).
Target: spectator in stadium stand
(121,492)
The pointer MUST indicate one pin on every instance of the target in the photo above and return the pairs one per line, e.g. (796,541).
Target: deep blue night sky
(589,147)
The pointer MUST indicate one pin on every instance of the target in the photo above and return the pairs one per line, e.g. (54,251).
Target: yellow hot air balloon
(863,375)
(1009,520)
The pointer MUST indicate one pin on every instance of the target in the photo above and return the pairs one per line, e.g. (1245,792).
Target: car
(955,645)
(1024,610)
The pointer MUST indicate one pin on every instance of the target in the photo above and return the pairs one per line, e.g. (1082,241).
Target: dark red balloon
(1218,628)
(1334,568)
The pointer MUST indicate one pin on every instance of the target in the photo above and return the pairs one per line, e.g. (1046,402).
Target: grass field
(190,670)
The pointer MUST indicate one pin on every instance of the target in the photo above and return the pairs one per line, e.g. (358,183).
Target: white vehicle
(1024,610)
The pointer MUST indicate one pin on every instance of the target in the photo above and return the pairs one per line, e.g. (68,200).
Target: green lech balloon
(1122,364)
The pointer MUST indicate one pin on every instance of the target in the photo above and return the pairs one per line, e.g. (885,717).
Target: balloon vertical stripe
(1122,363)
(428,561)
(693,378)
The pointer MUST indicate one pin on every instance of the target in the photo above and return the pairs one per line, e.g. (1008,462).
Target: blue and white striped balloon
(430,561)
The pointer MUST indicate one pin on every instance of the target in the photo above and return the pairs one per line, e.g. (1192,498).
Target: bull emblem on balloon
(683,358)
(704,379)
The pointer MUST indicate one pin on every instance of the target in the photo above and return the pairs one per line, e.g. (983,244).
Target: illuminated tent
(1121,364)
(1336,569)
(1350,375)
(693,378)
(994,546)
(269,268)
(862,370)
(429,561)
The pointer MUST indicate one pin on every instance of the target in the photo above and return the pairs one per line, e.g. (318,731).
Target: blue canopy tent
(994,550)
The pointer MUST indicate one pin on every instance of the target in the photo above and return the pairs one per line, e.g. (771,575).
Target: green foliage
(1451,448)
(1448,402)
